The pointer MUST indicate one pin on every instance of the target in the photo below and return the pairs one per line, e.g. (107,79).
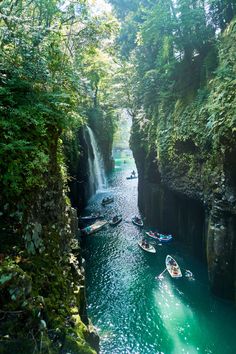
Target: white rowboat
(159,237)
(137,221)
(173,267)
(94,227)
(147,247)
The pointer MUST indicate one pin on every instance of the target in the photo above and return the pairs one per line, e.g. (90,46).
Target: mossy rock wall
(185,154)
(42,285)
(77,151)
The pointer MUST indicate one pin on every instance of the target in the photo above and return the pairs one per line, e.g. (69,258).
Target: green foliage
(178,83)
(221,123)
(47,73)
(15,284)
(55,68)
(171,45)
(33,238)
(222,12)
(123,7)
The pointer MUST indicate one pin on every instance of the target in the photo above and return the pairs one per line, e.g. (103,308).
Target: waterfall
(97,178)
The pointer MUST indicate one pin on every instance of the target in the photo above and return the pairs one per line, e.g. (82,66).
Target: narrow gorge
(81,83)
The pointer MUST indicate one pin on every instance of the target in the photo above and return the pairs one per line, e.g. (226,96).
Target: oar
(160,275)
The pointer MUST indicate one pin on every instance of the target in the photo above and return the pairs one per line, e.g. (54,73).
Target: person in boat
(139,220)
(133,173)
(115,218)
(172,262)
(106,199)
(145,244)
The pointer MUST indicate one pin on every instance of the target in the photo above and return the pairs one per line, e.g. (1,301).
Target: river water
(132,311)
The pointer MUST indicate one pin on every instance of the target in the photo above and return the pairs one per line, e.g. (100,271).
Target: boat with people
(159,237)
(172,267)
(164,238)
(137,221)
(107,200)
(92,216)
(131,177)
(146,246)
(116,220)
(98,225)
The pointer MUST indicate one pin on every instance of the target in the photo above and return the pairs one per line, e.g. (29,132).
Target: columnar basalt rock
(42,278)
(187,170)
(206,223)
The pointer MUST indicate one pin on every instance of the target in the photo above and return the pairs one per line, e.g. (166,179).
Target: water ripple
(135,313)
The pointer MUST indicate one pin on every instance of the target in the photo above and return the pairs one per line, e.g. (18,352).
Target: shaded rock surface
(42,283)
(185,155)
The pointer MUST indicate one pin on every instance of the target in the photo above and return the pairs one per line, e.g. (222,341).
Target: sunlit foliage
(51,62)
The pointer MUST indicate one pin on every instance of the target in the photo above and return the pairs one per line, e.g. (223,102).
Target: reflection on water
(134,312)
(174,313)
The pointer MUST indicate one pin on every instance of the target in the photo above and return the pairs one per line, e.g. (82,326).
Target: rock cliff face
(185,155)
(42,281)
(78,169)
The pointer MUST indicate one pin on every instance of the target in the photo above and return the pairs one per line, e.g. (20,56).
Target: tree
(43,85)
(222,12)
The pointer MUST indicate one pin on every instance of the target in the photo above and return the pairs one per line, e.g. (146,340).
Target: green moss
(15,284)
(42,288)
(192,135)
(74,346)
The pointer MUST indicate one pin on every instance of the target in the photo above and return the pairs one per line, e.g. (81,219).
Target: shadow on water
(134,312)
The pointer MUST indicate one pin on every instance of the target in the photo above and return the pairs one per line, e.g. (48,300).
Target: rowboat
(159,237)
(107,200)
(137,221)
(131,177)
(92,217)
(152,234)
(164,238)
(147,247)
(94,227)
(116,220)
(173,267)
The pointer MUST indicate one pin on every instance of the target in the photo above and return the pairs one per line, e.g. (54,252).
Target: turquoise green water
(132,311)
